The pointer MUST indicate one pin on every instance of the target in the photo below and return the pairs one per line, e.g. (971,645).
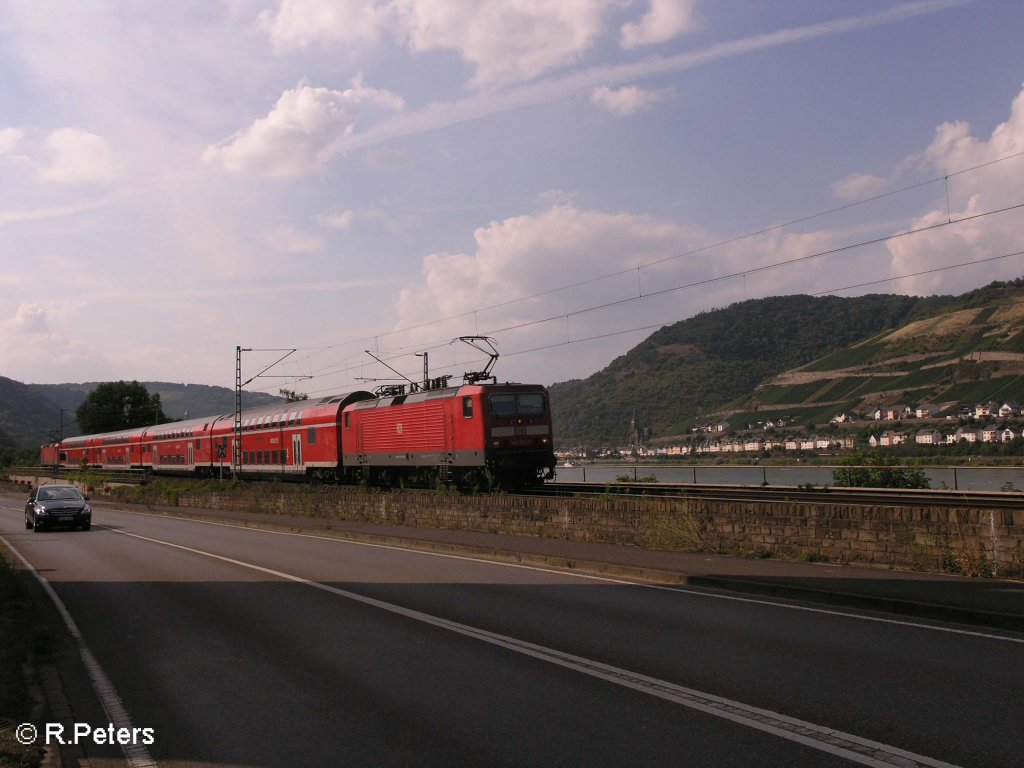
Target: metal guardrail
(125,476)
(831,495)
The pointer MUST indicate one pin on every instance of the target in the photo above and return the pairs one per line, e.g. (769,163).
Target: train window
(298,418)
(284,456)
(467,407)
(348,423)
(275,458)
(197,445)
(503,406)
(311,436)
(531,404)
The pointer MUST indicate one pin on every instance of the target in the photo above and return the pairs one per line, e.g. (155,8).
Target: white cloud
(858,186)
(29,319)
(339,220)
(34,327)
(527,254)
(77,156)
(300,23)
(38,214)
(299,134)
(988,188)
(9,138)
(626,101)
(291,240)
(505,40)
(664,20)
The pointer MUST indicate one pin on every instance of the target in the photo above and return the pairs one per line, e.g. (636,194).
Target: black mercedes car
(49,506)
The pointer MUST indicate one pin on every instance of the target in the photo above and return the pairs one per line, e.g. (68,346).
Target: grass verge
(16,652)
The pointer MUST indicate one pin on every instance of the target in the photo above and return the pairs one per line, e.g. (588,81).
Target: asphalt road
(241,647)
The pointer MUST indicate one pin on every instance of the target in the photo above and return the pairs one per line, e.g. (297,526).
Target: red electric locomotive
(476,435)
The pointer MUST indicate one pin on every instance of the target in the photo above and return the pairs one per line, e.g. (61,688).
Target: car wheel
(28,524)
(37,526)
(86,526)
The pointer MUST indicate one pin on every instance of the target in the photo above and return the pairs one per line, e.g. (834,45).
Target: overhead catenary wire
(653,326)
(692,252)
(338,368)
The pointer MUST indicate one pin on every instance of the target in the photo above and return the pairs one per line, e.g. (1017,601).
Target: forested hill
(695,367)
(31,414)
(26,416)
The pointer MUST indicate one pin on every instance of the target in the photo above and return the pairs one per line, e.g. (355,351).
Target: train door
(297,450)
(449,443)
(191,454)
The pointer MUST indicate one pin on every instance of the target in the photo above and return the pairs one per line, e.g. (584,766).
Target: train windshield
(509,405)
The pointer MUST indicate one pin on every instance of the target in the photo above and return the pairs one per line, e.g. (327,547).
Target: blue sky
(177,179)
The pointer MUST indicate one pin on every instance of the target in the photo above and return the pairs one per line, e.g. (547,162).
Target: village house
(890,438)
(926,410)
(929,437)
(1009,409)
(891,412)
(963,434)
(985,409)
(1007,435)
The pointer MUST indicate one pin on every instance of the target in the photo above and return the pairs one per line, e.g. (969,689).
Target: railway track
(777,494)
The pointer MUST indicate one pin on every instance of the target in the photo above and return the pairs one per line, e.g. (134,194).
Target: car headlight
(86,510)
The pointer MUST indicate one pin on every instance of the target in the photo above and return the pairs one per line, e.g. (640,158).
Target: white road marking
(681,590)
(834,742)
(136,754)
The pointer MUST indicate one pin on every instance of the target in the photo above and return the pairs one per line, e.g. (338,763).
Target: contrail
(444,114)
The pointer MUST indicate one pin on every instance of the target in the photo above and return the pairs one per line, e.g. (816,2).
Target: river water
(963,478)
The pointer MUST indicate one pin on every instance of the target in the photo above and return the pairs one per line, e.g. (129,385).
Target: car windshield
(58,494)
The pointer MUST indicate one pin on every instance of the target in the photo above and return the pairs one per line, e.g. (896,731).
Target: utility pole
(236,449)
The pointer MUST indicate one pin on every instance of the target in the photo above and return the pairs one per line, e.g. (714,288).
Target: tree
(118,405)
(877,470)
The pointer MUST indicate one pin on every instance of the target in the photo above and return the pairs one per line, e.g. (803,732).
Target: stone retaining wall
(971,541)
